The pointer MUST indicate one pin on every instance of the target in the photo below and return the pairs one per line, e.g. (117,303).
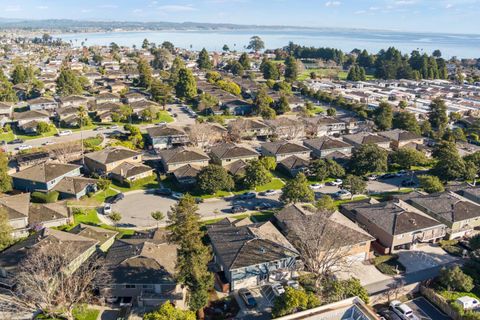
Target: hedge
(388,264)
(41,197)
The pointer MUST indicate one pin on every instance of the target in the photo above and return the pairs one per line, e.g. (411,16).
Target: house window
(130,286)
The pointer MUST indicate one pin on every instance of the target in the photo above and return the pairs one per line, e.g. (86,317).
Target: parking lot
(425,310)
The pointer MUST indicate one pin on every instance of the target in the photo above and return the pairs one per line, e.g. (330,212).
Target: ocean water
(461,46)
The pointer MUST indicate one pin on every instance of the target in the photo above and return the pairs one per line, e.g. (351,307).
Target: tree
(437,53)
(297,190)
(162,59)
(7,93)
(294,300)
(403,104)
(406,121)
(408,157)
(256,174)
(331,112)
(45,281)
(193,256)
(282,105)
(115,217)
(237,69)
(167,45)
(157,216)
(145,77)
(326,168)
(430,184)
(256,44)
(368,158)
(244,60)
(438,115)
(5,178)
(356,73)
(204,61)
(454,279)
(145,44)
(186,87)
(104,184)
(43,127)
(268,162)
(326,204)
(354,184)
(168,312)
(225,48)
(449,165)
(68,83)
(161,92)
(270,70)
(213,178)
(291,69)
(262,101)
(5,230)
(474,242)
(383,116)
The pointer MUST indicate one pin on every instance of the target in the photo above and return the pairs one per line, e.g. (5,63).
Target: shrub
(41,197)
(451,246)
(455,279)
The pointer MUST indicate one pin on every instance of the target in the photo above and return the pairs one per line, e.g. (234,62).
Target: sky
(444,16)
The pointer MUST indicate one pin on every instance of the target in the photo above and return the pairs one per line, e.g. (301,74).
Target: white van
(468,303)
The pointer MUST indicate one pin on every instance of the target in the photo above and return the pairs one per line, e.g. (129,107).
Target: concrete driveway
(365,272)
(424,257)
(137,206)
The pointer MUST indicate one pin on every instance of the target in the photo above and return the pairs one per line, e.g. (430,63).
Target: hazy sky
(456,16)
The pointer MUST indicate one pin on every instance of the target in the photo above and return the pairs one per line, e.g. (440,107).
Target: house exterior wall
(43,106)
(401,144)
(168,141)
(95,166)
(280,157)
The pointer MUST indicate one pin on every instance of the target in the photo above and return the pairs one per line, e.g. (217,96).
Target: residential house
(68,117)
(107,98)
(77,250)
(48,215)
(105,237)
(395,224)
(186,176)
(44,176)
(322,126)
(26,160)
(42,103)
(139,106)
(326,147)
(286,128)
(250,254)
(75,187)
(236,168)
(6,111)
(17,207)
(226,153)
(237,107)
(128,172)
(132,97)
(248,128)
(332,230)
(281,150)
(104,161)
(293,165)
(73,101)
(362,138)
(460,214)
(143,269)
(165,137)
(27,121)
(173,159)
(401,138)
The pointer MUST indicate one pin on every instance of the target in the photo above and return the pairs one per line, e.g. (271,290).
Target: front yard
(388,265)
(90,217)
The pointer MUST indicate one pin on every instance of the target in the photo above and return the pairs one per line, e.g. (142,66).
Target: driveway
(425,310)
(424,257)
(262,311)
(365,272)
(136,207)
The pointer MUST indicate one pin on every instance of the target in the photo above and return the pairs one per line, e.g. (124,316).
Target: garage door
(245,283)
(359,257)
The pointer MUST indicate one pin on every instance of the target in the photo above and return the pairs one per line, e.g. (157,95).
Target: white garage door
(359,257)
(245,283)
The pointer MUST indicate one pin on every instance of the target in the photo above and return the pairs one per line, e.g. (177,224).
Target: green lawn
(328,73)
(90,217)
(385,195)
(8,136)
(100,196)
(388,264)
(148,184)
(218,194)
(83,313)
(164,116)
(51,133)
(275,184)
(355,198)
(453,295)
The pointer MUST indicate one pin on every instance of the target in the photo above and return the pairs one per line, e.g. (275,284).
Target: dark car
(175,115)
(198,200)
(163,191)
(247,195)
(389,315)
(238,209)
(15,141)
(263,206)
(247,297)
(116,198)
(388,176)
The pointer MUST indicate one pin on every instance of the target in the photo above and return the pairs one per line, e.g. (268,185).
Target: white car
(24,147)
(270,193)
(342,194)
(402,310)
(64,133)
(48,143)
(107,209)
(316,186)
(336,182)
(278,289)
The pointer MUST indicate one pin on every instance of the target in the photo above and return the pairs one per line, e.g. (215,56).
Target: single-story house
(104,161)
(363,138)
(129,172)
(75,187)
(401,138)
(324,146)
(281,150)
(104,236)
(226,153)
(44,176)
(173,159)
(42,103)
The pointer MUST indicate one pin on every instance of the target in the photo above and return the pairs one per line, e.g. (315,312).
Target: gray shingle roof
(326,143)
(45,172)
(182,155)
(230,150)
(112,154)
(284,147)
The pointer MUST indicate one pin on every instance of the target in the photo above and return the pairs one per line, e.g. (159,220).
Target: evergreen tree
(145,78)
(406,121)
(270,70)
(186,86)
(192,255)
(256,174)
(368,158)
(438,115)
(5,230)
(68,83)
(291,69)
(204,61)
(383,116)
(282,105)
(213,178)
(297,190)
(244,60)
(449,165)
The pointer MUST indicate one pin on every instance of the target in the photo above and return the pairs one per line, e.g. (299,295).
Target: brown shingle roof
(112,154)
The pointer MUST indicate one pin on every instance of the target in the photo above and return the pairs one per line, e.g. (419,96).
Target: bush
(388,264)
(451,246)
(41,197)
(78,211)
(454,279)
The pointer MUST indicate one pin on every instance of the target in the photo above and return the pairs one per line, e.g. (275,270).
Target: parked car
(126,302)
(387,176)
(278,289)
(114,127)
(15,141)
(372,177)
(468,303)
(177,195)
(388,315)
(316,186)
(116,198)
(263,206)
(402,310)
(175,115)
(342,194)
(107,209)
(99,129)
(64,133)
(24,147)
(269,193)
(163,191)
(238,209)
(198,200)
(336,182)
(401,173)
(48,143)
(247,195)
(247,297)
